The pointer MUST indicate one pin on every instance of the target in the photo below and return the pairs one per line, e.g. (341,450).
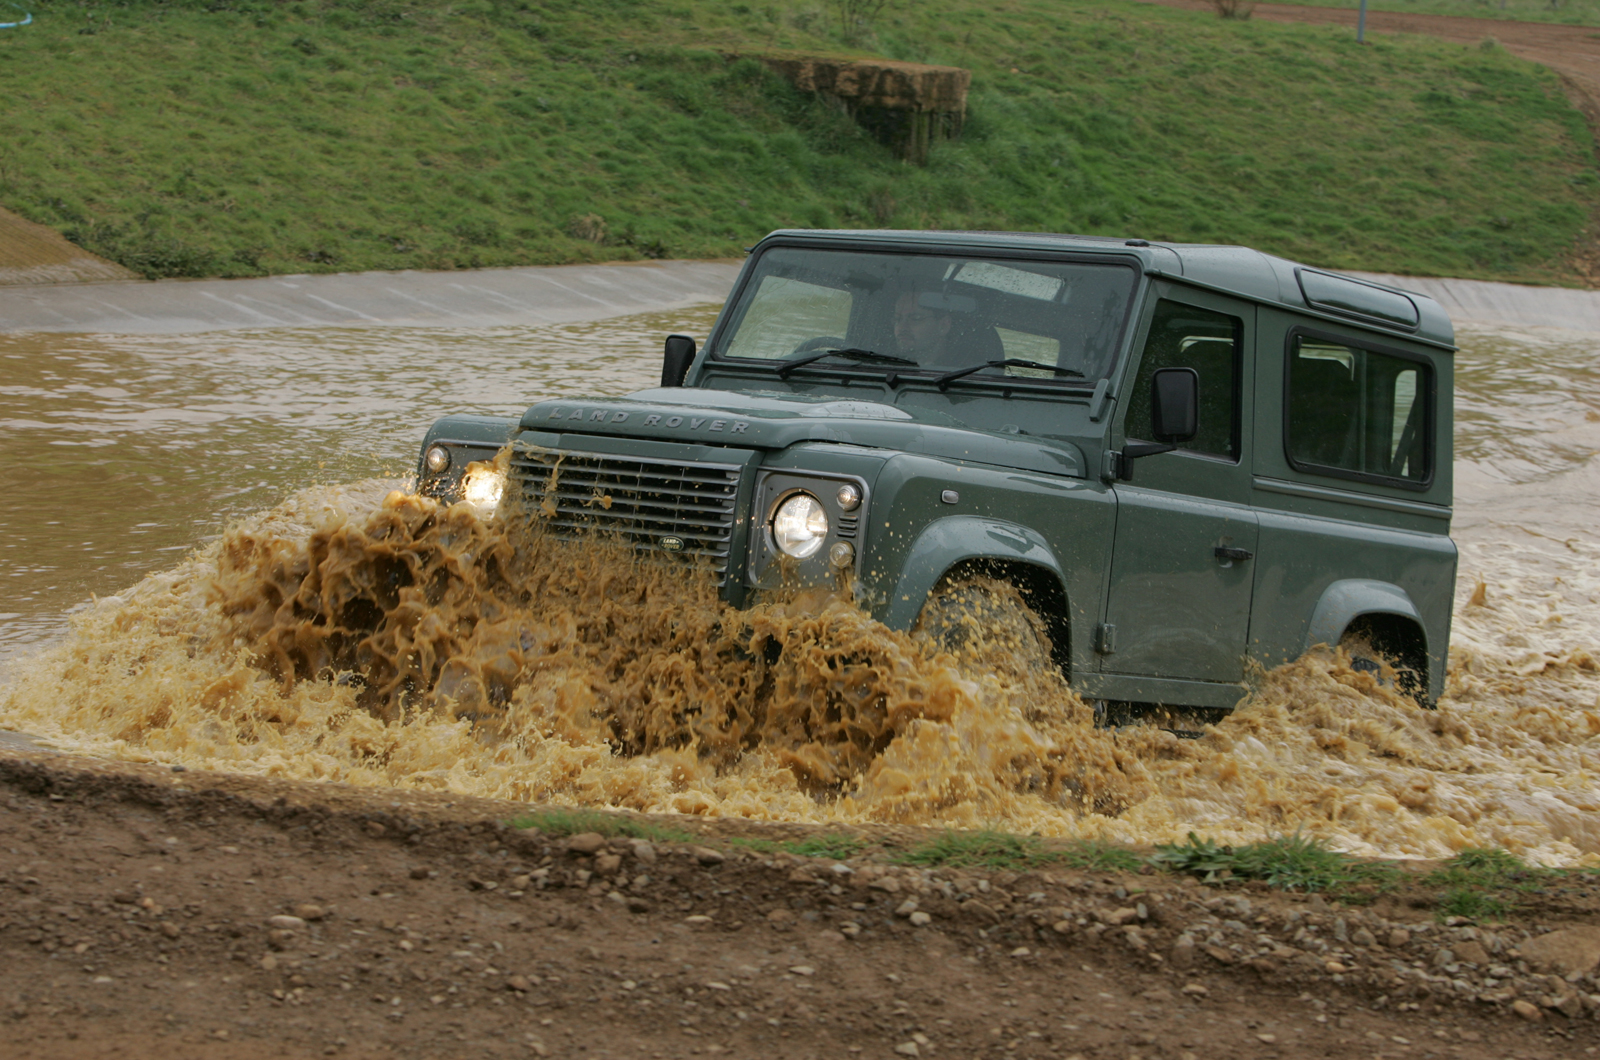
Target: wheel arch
(993,548)
(1386,615)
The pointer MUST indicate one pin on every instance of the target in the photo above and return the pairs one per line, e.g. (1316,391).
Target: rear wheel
(1366,659)
(1394,669)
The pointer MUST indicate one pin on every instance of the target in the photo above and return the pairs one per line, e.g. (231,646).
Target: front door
(1178,605)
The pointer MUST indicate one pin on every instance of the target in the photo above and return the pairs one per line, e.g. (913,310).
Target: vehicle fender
(946,542)
(1349,599)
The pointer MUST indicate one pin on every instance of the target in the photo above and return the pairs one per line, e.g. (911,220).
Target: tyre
(1390,673)
(987,625)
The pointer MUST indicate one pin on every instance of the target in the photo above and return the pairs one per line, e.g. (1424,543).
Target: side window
(1358,413)
(1186,336)
(786,314)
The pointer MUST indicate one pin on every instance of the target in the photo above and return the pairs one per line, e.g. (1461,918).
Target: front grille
(642,499)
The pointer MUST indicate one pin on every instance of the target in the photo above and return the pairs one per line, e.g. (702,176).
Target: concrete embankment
(553,295)
(1479,302)
(481,298)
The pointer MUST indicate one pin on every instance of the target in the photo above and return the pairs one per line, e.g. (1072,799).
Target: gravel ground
(146,913)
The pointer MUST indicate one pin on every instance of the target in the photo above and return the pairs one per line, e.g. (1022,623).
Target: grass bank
(244,137)
(1560,12)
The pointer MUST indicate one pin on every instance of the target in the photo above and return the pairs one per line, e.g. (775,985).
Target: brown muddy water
(308,618)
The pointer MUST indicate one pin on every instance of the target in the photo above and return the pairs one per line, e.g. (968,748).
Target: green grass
(1001,850)
(1569,12)
(559,821)
(242,137)
(837,847)
(1487,884)
(1483,884)
(1287,863)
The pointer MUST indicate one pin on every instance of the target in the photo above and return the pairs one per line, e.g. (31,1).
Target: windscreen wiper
(851,352)
(945,380)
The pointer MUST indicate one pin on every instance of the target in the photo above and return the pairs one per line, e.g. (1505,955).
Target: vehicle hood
(778,420)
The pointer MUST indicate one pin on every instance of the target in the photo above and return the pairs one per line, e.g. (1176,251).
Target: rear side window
(1359,413)
(1186,336)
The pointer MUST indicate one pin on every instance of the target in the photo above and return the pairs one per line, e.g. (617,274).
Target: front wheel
(987,625)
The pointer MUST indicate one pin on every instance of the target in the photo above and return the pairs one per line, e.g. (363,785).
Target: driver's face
(918,329)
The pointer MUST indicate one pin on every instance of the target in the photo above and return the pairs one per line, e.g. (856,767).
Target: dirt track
(33,254)
(136,912)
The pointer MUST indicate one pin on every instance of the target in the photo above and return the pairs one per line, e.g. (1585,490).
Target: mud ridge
(239,917)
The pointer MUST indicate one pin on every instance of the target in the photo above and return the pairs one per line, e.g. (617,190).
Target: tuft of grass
(838,847)
(560,821)
(1288,863)
(1099,855)
(1001,850)
(989,850)
(834,845)
(1485,884)
(248,137)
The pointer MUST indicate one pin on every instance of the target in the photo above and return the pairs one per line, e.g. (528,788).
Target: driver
(922,326)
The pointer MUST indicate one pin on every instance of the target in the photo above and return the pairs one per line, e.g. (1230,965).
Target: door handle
(1228,552)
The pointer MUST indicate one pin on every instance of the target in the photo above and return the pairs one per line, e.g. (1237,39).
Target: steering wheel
(821,342)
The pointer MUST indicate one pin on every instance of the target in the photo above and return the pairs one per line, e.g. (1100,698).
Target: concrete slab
(555,295)
(1479,302)
(479,298)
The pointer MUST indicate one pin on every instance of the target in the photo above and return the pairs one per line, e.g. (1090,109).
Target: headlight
(438,458)
(483,486)
(799,526)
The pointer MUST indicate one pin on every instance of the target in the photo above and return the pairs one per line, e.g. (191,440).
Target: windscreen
(933,312)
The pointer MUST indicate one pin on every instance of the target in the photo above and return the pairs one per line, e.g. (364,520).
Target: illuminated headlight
(799,526)
(483,486)
(438,458)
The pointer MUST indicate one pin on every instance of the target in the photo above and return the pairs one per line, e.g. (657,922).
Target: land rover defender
(1188,459)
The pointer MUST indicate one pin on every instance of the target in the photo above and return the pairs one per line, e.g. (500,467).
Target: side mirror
(675,364)
(1175,404)
(1174,418)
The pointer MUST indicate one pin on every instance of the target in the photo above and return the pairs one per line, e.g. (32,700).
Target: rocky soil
(151,913)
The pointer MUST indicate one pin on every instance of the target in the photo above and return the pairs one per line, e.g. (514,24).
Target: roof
(1238,271)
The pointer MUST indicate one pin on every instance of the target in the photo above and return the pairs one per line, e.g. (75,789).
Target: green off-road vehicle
(1188,459)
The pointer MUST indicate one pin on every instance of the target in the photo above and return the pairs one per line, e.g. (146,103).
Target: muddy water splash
(377,637)
(359,634)
(373,637)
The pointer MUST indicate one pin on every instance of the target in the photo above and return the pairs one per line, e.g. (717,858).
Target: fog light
(483,487)
(438,458)
(842,554)
(848,497)
(799,526)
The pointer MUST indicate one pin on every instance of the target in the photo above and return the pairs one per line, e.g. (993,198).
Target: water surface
(126,452)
